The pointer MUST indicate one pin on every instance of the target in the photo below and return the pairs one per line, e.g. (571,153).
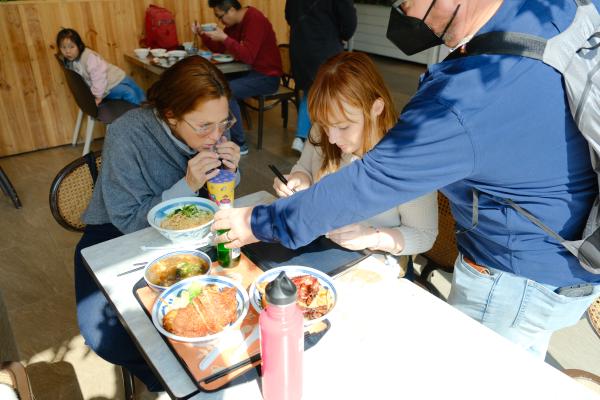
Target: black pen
(280,176)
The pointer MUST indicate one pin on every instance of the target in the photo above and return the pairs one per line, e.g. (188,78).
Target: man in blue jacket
(497,124)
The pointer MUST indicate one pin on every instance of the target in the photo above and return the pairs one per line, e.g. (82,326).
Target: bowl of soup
(170,268)
(183,219)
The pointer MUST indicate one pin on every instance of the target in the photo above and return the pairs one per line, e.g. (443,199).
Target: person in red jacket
(249,37)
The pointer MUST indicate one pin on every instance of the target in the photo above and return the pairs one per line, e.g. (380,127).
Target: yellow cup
(221,187)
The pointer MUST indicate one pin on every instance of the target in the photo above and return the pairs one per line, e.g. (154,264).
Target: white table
(389,339)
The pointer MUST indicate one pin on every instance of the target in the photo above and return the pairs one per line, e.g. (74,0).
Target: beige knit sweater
(416,220)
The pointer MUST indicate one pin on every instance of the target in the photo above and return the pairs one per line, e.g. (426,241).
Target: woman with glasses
(167,148)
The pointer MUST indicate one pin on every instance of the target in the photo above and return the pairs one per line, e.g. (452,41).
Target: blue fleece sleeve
(428,149)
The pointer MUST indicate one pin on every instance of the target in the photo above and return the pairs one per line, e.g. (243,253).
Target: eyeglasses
(221,16)
(205,129)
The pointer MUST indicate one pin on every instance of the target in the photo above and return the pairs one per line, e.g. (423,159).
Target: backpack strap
(508,43)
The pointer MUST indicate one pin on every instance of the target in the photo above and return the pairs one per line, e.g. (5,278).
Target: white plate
(222,58)
(292,271)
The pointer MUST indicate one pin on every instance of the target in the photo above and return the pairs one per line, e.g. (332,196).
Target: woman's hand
(296,181)
(202,167)
(229,153)
(355,237)
(218,35)
(237,220)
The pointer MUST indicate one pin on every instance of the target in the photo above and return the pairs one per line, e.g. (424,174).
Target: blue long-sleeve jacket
(500,124)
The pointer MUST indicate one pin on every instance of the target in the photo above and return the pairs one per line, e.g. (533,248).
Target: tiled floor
(37,279)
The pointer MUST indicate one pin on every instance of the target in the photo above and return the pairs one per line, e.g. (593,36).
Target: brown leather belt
(479,268)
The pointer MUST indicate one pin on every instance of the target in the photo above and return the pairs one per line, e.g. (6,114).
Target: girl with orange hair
(352,110)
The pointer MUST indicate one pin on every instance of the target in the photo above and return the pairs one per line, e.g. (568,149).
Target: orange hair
(350,78)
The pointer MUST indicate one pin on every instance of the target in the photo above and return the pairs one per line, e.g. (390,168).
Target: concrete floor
(36,260)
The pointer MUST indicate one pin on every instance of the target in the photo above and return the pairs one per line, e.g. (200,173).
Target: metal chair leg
(128,384)
(9,189)
(261,112)
(89,132)
(284,113)
(77,127)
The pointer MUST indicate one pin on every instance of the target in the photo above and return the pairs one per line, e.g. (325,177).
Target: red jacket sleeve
(252,35)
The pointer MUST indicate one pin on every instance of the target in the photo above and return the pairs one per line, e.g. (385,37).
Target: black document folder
(321,254)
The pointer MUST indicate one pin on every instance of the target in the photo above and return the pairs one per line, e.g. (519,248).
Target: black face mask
(412,35)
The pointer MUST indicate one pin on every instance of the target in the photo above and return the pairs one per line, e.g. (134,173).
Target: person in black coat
(318,29)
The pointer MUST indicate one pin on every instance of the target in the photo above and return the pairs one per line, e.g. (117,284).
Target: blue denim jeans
(98,320)
(127,90)
(303,124)
(250,84)
(523,311)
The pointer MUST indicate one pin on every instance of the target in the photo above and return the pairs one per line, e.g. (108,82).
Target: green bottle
(227,258)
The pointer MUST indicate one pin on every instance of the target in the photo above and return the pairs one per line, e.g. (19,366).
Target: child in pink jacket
(106,81)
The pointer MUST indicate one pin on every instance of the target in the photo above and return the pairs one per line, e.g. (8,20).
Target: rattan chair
(70,193)
(286,93)
(444,251)
(72,189)
(106,112)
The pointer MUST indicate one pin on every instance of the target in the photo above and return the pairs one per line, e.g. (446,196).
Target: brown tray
(214,366)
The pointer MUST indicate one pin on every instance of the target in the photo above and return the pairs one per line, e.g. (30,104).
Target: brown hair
(182,87)
(351,78)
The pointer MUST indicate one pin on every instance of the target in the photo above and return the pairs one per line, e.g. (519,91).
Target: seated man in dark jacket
(249,37)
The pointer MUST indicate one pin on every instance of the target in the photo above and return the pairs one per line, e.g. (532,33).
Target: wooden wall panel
(37,110)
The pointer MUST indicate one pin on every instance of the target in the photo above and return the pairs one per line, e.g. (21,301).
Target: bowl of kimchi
(315,293)
(200,309)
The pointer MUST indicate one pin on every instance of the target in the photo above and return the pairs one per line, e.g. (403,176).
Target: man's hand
(237,220)
(218,35)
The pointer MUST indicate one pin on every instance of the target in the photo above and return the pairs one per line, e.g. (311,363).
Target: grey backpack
(575,53)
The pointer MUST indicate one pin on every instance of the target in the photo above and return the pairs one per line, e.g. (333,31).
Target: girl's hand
(98,101)
(237,220)
(355,236)
(229,153)
(296,181)
(202,167)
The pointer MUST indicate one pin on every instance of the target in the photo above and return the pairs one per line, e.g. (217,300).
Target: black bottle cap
(281,291)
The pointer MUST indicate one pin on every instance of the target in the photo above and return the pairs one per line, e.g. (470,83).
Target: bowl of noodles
(170,268)
(316,294)
(184,219)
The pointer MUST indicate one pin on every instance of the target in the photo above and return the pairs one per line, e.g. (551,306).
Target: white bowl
(176,53)
(160,288)
(188,45)
(166,299)
(210,26)
(158,52)
(292,271)
(141,53)
(161,210)
(222,58)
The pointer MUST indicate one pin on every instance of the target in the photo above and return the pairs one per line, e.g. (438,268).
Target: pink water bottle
(281,341)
